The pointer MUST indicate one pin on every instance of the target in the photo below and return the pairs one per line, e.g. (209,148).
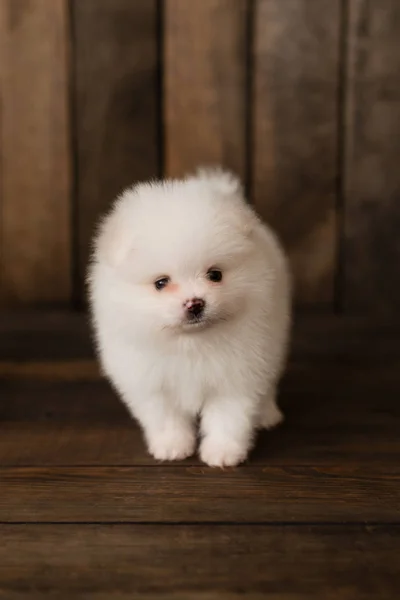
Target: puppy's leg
(270,414)
(227,426)
(169,433)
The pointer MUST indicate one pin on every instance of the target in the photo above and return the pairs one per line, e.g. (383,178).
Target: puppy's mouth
(196,322)
(202,322)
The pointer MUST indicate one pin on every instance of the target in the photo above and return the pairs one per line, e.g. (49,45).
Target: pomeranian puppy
(190,301)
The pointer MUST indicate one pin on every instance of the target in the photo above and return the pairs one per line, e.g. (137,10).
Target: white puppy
(190,300)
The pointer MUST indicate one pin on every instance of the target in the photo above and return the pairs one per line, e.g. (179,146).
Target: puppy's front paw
(172,444)
(222,452)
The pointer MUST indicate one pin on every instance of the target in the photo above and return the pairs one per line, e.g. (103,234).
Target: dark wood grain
(84,423)
(282,562)
(205,85)
(200,494)
(88,514)
(158,595)
(295,135)
(372,150)
(43,335)
(116,104)
(340,391)
(63,335)
(35,232)
(193,595)
(352,372)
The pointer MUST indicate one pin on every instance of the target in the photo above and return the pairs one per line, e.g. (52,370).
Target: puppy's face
(184,265)
(193,300)
(187,288)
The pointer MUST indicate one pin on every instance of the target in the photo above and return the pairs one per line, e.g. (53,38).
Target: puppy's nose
(195,307)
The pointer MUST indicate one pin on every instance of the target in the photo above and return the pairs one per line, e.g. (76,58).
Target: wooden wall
(299,97)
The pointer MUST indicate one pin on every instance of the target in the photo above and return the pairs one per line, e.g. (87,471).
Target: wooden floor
(85,513)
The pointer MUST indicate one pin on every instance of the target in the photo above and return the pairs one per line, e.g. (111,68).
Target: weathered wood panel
(296,53)
(281,561)
(35,152)
(205,85)
(115,104)
(372,151)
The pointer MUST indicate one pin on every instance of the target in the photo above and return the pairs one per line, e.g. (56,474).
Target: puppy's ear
(227,185)
(113,242)
(109,246)
(222,181)
(247,220)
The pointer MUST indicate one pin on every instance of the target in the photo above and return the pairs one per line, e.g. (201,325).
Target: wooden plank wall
(372,158)
(115,96)
(35,235)
(300,97)
(205,85)
(295,129)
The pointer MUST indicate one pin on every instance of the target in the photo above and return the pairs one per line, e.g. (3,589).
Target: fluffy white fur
(223,367)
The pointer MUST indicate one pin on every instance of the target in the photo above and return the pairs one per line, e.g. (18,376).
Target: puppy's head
(180,254)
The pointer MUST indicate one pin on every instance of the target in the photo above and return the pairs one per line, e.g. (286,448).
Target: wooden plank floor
(86,513)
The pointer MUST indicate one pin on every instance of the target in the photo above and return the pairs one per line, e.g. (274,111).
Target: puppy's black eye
(161,283)
(214,275)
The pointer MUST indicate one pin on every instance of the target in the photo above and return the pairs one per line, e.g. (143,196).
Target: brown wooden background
(300,97)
